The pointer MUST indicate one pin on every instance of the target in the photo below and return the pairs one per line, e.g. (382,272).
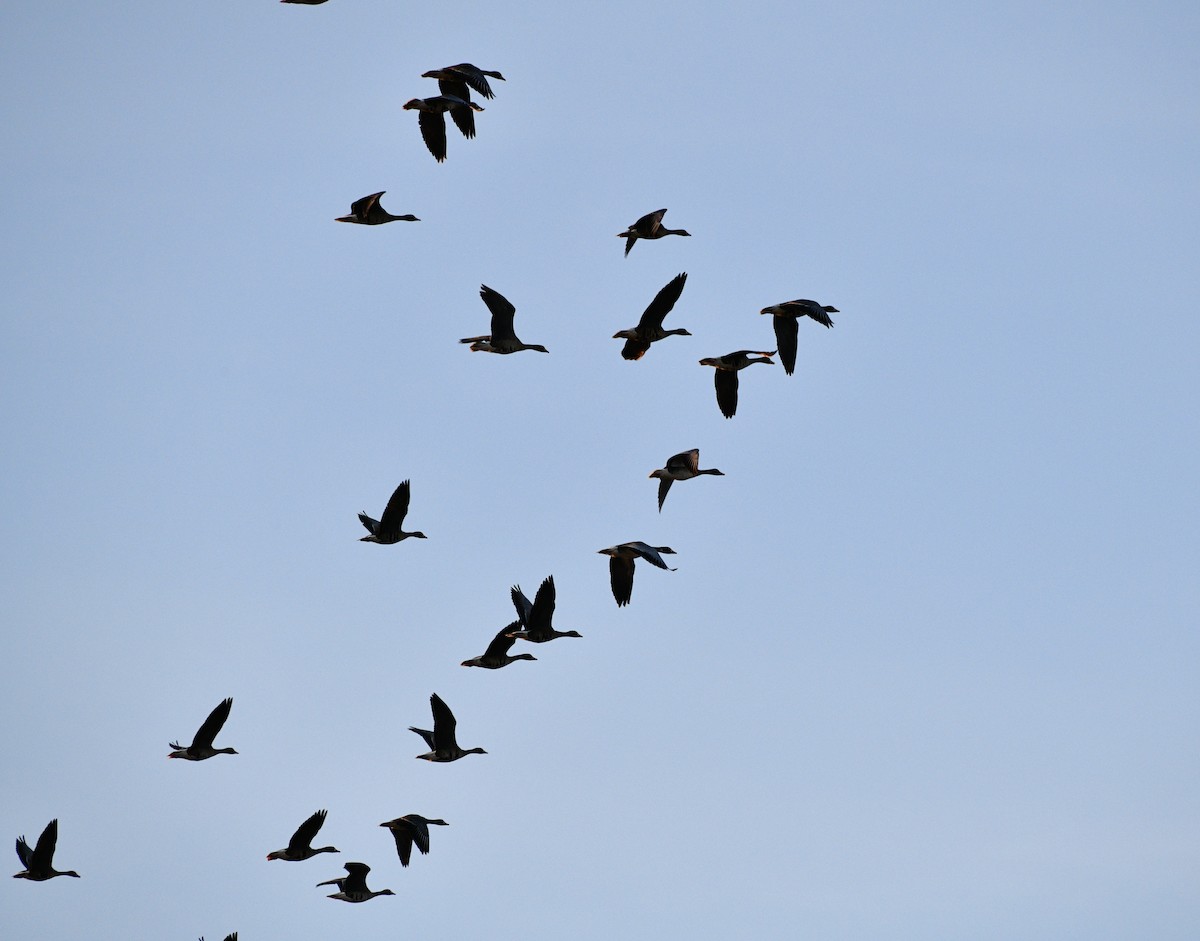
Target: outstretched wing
(433,132)
(726,382)
(502,313)
(212,725)
(786,332)
(663,301)
(361,208)
(620,574)
(304,834)
(396,509)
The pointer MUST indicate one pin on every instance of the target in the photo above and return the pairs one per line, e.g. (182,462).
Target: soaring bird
(726,380)
(410,829)
(502,339)
(621,562)
(648,227)
(202,743)
(441,741)
(650,327)
(300,846)
(367,211)
(535,618)
(39,861)
(432,120)
(388,530)
(682,466)
(353,887)
(455,76)
(496,655)
(786,319)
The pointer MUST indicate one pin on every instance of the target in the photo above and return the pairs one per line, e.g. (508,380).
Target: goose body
(389,529)
(432,120)
(649,328)
(535,618)
(648,227)
(202,744)
(621,562)
(682,466)
(786,319)
(39,861)
(443,746)
(300,846)
(497,655)
(463,74)
(726,379)
(353,887)
(367,211)
(410,830)
(503,338)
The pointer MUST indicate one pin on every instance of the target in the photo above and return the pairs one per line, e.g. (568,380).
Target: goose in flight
(233,937)
(786,317)
(726,379)
(432,120)
(649,328)
(388,530)
(367,211)
(300,846)
(535,618)
(441,741)
(496,655)
(463,74)
(502,339)
(202,743)
(648,227)
(353,887)
(682,466)
(621,562)
(39,861)
(410,829)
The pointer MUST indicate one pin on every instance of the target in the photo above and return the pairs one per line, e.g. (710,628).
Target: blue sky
(927,666)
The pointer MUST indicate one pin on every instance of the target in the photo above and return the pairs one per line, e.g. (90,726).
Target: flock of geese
(533,622)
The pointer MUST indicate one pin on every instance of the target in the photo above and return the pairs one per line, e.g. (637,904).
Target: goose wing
(403,836)
(24,853)
(425,734)
(786,331)
(501,644)
(523,605)
(664,300)
(651,554)
(502,313)
(726,382)
(303,837)
(684,461)
(664,484)
(473,77)
(208,731)
(620,574)
(433,132)
(542,612)
(43,853)
(372,525)
(396,509)
(356,881)
(363,208)
(464,118)
(443,725)
(812,309)
(649,223)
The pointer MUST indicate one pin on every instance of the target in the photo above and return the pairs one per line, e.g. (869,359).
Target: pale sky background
(927,668)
